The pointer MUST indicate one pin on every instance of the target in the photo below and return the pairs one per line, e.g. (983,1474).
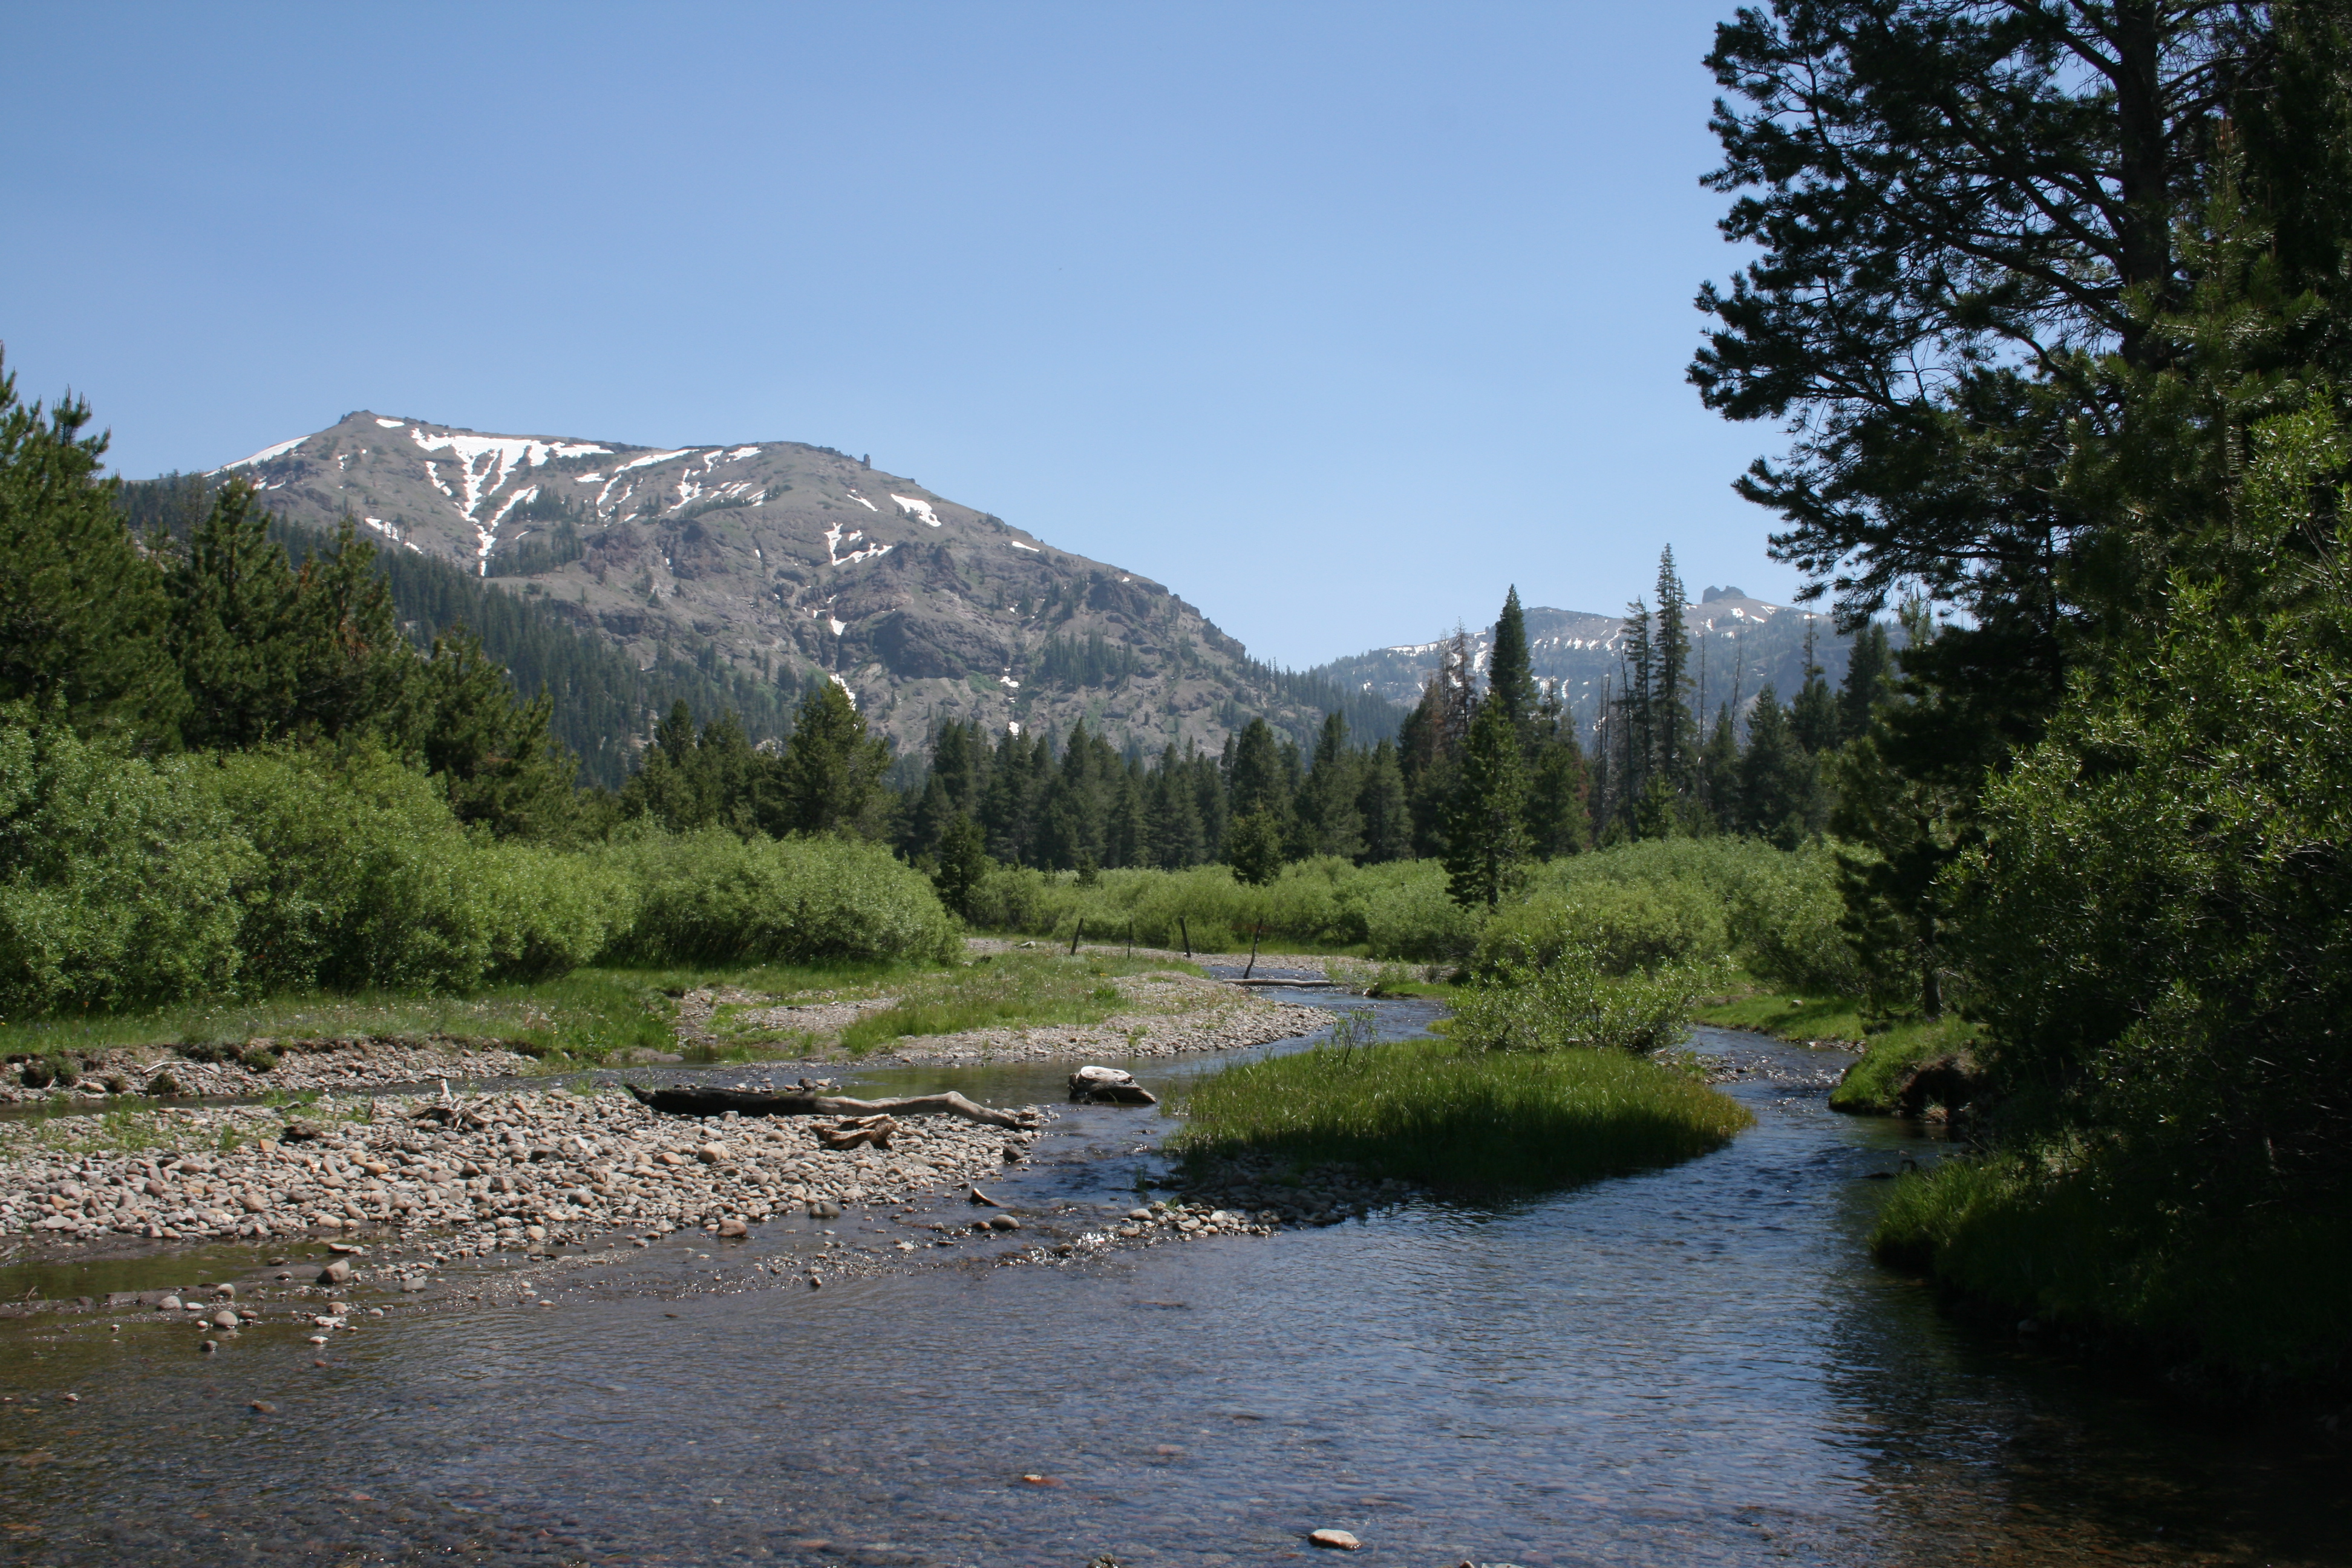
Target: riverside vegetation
(2087,794)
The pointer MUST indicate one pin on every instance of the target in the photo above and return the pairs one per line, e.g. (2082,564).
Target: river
(1696,1366)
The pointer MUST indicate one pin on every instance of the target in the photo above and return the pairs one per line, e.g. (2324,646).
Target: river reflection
(1697,1366)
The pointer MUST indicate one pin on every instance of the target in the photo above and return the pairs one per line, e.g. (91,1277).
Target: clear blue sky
(1338,319)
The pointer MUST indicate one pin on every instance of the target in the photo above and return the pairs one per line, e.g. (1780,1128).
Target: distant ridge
(1738,645)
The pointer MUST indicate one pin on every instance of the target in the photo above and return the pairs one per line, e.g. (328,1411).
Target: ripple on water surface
(1695,1366)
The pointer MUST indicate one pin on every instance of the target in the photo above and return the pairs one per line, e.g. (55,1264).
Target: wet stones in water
(225,1320)
(1337,1539)
(824,1208)
(336,1272)
(1002,1222)
(730,1229)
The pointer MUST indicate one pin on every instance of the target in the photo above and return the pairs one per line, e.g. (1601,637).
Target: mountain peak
(779,562)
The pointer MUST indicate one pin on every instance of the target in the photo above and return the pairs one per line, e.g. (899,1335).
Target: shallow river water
(1699,1365)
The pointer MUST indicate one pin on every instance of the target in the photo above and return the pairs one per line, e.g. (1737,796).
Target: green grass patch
(1428,1112)
(578,1019)
(2256,1296)
(1887,1055)
(1017,990)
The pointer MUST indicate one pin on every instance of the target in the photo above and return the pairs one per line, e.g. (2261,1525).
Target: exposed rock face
(773,559)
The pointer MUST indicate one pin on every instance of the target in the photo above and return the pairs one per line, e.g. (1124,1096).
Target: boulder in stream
(1108,1086)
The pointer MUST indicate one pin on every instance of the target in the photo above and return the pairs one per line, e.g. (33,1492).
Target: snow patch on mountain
(913,507)
(491,460)
(266,454)
(835,538)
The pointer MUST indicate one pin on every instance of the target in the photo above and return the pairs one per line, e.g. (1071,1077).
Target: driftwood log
(684,1100)
(857,1133)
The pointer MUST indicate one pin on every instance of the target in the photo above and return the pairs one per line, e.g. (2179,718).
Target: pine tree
(1253,844)
(1009,803)
(1559,819)
(1429,744)
(958,761)
(828,776)
(1381,802)
(494,757)
(1256,780)
(1670,721)
(1718,774)
(1509,675)
(964,863)
(1329,820)
(1775,775)
(928,819)
(1814,717)
(1869,681)
(1173,820)
(1636,740)
(81,611)
(1487,841)
(233,630)
(353,669)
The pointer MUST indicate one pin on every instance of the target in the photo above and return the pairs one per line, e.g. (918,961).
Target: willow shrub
(1429,1111)
(1396,911)
(1571,1003)
(712,897)
(1776,912)
(364,881)
(118,880)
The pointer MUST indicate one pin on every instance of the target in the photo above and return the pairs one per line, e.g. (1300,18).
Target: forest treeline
(600,699)
(2056,301)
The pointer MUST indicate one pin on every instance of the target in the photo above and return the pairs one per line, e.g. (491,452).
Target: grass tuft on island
(1461,1121)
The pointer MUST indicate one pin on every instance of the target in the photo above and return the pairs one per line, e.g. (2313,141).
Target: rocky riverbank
(256,1066)
(507,1171)
(1162,1013)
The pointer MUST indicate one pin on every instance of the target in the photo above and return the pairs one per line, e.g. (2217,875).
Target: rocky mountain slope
(1739,644)
(783,561)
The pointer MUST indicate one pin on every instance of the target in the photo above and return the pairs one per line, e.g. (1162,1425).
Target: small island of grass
(1460,1119)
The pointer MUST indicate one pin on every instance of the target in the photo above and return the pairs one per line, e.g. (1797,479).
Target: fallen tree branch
(683,1100)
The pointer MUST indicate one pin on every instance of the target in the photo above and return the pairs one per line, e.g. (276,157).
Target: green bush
(550,912)
(2098,1236)
(1779,908)
(118,878)
(1398,910)
(1620,927)
(362,878)
(1572,1002)
(1784,918)
(712,896)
